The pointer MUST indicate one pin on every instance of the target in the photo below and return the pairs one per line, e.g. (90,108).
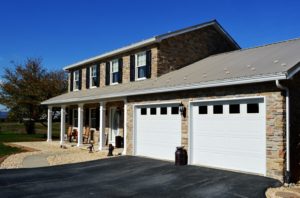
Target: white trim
(111,72)
(91,77)
(74,80)
(49,128)
(125,128)
(190,122)
(110,140)
(137,67)
(62,124)
(156,103)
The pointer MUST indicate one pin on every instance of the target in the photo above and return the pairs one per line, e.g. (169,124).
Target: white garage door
(229,134)
(158,131)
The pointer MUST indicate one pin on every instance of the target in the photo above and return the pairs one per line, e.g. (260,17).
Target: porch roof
(259,64)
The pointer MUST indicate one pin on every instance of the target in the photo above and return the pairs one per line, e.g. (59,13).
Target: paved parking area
(129,176)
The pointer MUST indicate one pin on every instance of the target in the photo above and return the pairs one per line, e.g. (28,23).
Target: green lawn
(15,132)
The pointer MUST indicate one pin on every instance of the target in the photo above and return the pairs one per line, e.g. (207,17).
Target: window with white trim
(76,80)
(75,118)
(114,71)
(93,76)
(140,64)
(93,118)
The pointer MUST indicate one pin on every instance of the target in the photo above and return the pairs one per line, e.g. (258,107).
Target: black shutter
(97,118)
(132,67)
(70,116)
(87,117)
(107,73)
(87,79)
(80,79)
(71,80)
(120,70)
(148,64)
(98,75)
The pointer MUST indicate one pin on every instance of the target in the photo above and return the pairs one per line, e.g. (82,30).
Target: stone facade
(275,117)
(179,51)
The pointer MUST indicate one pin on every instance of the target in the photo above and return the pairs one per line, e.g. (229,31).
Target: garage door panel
(157,136)
(230,140)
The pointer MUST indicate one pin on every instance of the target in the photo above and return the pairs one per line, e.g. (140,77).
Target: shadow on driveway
(130,176)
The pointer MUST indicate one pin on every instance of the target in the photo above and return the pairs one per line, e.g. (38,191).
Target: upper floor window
(93,76)
(76,80)
(114,71)
(140,65)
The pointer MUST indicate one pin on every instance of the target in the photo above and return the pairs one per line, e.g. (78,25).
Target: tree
(25,86)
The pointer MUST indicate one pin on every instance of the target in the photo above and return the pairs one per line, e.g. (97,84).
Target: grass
(15,132)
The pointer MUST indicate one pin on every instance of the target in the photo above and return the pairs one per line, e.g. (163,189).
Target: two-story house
(196,88)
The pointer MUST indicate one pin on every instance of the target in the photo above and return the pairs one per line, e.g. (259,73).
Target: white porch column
(102,126)
(125,127)
(62,124)
(49,131)
(80,124)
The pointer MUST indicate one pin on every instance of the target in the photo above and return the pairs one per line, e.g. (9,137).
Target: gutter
(287,176)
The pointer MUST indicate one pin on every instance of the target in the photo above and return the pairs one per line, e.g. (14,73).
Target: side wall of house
(275,119)
(294,86)
(179,51)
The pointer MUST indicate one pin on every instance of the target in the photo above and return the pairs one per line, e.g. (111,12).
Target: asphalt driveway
(129,176)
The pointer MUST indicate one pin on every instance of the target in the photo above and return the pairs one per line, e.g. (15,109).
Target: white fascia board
(293,72)
(114,52)
(210,84)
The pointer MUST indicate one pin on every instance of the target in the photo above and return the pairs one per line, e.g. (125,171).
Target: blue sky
(62,32)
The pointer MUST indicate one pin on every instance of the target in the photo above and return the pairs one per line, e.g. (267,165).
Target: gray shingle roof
(259,64)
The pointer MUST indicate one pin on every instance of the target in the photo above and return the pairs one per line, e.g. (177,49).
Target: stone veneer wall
(275,117)
(179,51)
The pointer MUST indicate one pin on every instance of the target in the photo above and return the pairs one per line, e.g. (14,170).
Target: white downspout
(287,111)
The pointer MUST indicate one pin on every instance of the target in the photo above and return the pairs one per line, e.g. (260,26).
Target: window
(163,111)
(76,80)
(93,118)
(93,76)
(202,109)
(75,117)
(234,108)
(114,71)
(253,108)
(153,111)
(175,110)
(218,109)
(143,111)
(140,65)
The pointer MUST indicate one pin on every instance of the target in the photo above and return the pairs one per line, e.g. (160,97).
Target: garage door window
(218,109)
(163,110)
(234,108)
(175,110)
(202,109)
(143,111)
(253,108)
(153,111)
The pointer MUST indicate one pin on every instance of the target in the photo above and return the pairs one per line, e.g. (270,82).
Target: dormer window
(140,60)
(114,74)
(76,80)
(93,76)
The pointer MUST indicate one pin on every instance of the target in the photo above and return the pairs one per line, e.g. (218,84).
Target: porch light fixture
(182,109)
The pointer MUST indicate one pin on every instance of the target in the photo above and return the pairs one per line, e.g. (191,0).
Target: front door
(114,125)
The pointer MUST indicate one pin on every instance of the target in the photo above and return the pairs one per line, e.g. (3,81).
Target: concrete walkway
(34,161)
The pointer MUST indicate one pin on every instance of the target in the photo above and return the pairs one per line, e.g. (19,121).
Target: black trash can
(118,142)
(180,156)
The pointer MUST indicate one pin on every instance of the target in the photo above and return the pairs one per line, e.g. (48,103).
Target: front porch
(99,123)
